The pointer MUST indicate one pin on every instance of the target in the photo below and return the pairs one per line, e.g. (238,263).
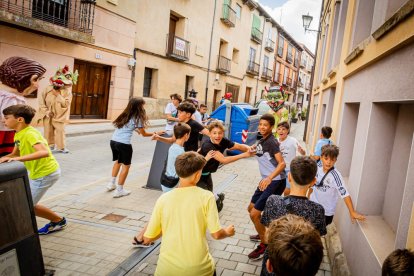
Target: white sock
(119,187)
(113,180)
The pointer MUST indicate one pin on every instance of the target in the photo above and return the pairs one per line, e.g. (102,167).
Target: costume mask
(276,97)
(64,77)
(228,96)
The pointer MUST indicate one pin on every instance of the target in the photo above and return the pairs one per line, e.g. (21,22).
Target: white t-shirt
(288,147)
(198,117)
(170,109)
(328,194)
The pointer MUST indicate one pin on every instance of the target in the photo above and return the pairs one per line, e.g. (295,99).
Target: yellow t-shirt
(25,140)
(182,216)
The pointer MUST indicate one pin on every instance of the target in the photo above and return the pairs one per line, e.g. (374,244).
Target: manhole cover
(114,217)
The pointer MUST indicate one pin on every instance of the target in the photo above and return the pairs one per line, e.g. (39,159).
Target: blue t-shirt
(124,134)
(173,152)
(321,142)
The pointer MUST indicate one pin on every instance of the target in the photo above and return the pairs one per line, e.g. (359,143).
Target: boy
(326,133)
(288,146)
(204,116)
(399,263)
(301,177)
(272,168)
(182,217)
(32,149)
(295,247)
(330,186)
(171,113)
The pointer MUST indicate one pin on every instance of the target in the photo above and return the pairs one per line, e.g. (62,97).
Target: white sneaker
(121,193)
(110,187)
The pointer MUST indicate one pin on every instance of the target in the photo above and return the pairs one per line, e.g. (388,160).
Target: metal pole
(209,52)
(260,56)
(313,74)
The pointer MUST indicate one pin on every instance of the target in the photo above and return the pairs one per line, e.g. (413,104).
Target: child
(399,263)
(272,168)
(18,77)
(218,143)
(32,149)
(171,113)
(330,185)
(204,116)
(182,217)
(326,133)
(288,147)
(301,176)
(295,247)
(133,118)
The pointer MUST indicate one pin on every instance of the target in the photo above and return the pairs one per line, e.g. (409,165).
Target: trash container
(238,118)
(20,252)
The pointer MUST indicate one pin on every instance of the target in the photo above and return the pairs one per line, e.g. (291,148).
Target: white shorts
(39,186)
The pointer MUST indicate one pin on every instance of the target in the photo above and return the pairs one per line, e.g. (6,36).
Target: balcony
(72,20)
(289,58)
(270,45)
(252,68)
(223,65)
(257,35)
(288,81)
(229,16)
(280,52)
(177,48)
(251,4)
(267,73)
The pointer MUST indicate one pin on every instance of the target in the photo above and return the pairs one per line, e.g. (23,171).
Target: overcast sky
(288,13)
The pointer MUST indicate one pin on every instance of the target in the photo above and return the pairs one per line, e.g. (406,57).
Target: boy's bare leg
(115,169)
(255,216)
(46,213)
(123,175)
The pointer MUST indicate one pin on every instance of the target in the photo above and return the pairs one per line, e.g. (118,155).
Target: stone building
(304,80)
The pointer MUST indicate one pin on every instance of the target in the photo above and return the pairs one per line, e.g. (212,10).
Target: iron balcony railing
(229,16)
(252,68)
(257,35)
(289,58)
(177,48)
(270,45)
(223,65)
(72,14)
(267,73)
(280,52)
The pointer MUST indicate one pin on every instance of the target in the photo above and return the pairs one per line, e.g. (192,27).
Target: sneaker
(255,238)
(110,187)
(65,150)
(121,193)
(52,227)
(258,252)
(219,201)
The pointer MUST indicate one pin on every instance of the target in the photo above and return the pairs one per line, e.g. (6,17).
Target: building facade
(211,47)
(304,80)
(287,60)
(363,89)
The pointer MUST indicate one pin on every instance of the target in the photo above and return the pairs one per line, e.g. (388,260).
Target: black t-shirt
(192,143)
(212,165)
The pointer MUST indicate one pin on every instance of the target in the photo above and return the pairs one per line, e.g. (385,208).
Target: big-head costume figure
(54,107)
(18,77)
(276,98)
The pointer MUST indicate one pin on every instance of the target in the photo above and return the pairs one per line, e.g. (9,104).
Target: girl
(133,118)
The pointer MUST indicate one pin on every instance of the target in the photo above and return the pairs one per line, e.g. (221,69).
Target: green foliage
(293,111)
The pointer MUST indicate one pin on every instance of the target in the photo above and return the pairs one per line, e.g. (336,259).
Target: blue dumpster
(242,117)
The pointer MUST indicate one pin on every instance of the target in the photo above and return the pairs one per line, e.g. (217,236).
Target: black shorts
(259,198)
(206,182)
(121,152)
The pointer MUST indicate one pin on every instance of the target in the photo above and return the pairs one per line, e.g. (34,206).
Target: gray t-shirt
(173,152)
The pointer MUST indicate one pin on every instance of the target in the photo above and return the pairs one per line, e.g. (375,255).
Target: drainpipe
(131,91)
(313,75)
(209,51)
(260,58)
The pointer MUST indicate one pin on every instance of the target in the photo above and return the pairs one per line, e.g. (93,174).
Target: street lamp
(307,19)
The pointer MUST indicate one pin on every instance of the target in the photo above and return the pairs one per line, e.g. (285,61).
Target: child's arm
(13,154)
(224,233)
(354,215)
(142,131)
(205,132)
(169,140)
(240,147)
(150,240)
(229,159)
(301,150)
(40,152)
(281,165)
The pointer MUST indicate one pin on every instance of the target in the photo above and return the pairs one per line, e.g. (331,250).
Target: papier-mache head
(64,77)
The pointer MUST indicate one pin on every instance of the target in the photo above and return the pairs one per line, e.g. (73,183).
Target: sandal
(137,243)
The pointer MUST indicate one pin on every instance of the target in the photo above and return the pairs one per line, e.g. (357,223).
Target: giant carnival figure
(276,98)
(19,77)
(54,107)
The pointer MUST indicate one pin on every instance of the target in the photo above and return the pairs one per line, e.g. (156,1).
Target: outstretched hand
(210,155)
(356,216)
(230,231)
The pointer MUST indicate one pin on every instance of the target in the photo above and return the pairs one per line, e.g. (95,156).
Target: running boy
(32,149)
(326,133)
(182,217)
(288,146)
(330,186)
(301,177)
(272,168)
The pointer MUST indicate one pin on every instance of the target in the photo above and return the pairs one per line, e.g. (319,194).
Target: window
(235,56)
(234,90)
(54,11)
(147,82)
(265,63)
(238,11)
(252,55)
(289,53)
(286,75)
(280,46)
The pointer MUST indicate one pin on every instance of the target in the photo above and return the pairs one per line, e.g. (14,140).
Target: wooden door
(247,95)
(90,94)
(216,98)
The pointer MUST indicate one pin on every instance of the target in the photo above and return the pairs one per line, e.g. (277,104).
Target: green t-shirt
(25,140)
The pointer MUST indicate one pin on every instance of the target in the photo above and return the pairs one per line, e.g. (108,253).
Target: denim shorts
(165,189)
(39,186)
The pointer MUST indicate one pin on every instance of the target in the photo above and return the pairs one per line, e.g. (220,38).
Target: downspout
(260,58)
(313,74)
(209,51)
(131,91)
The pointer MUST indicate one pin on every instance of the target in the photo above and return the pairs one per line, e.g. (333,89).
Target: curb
(336,255)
